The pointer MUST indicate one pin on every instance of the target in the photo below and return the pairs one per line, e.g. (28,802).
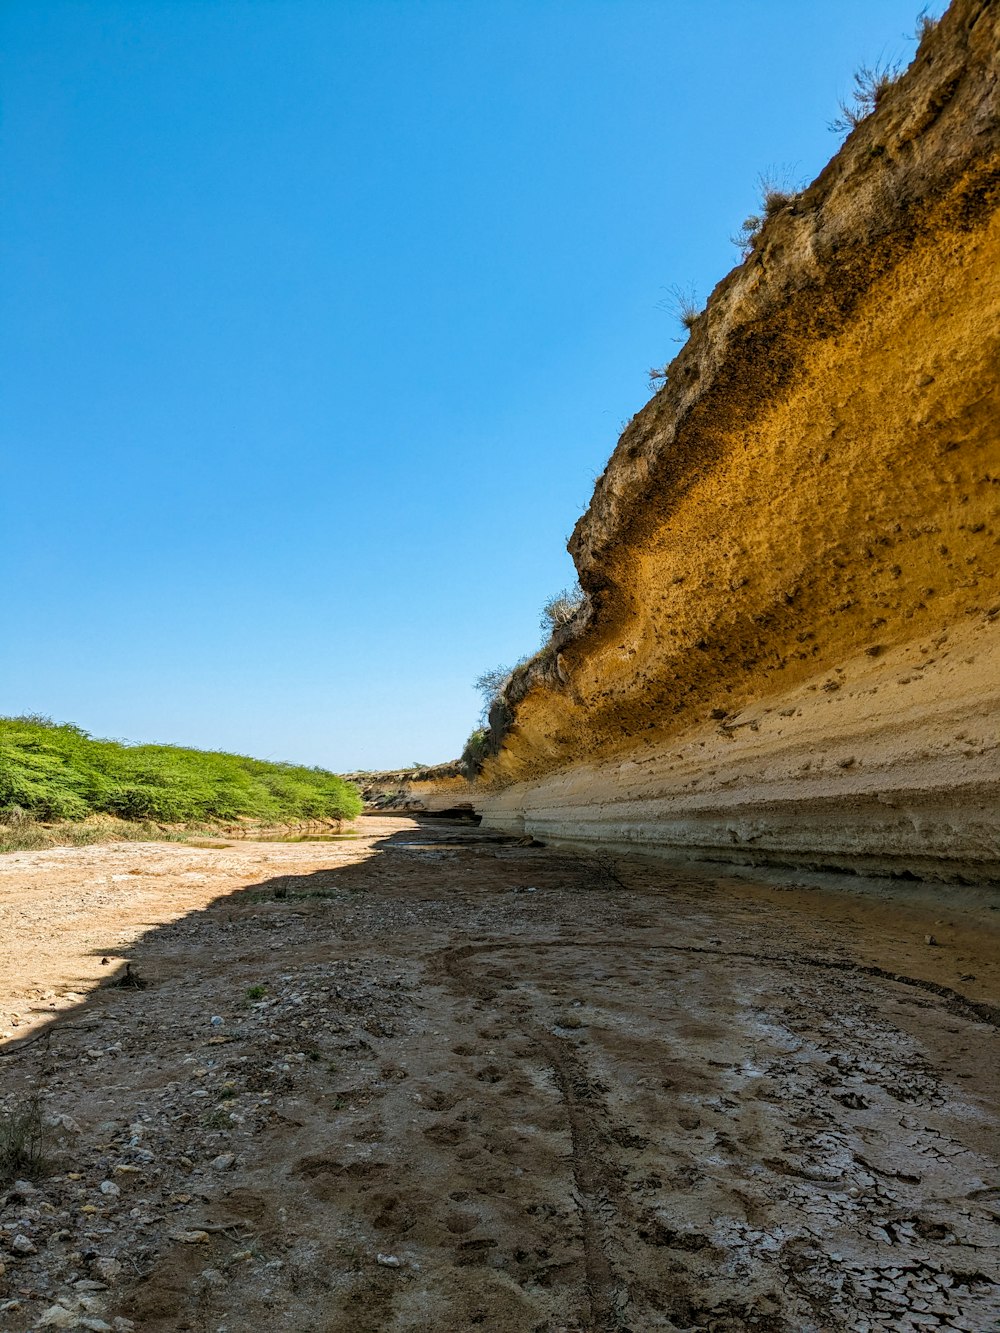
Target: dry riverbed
(430,1080)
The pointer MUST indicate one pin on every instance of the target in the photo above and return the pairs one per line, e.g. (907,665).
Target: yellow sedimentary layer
(800,532)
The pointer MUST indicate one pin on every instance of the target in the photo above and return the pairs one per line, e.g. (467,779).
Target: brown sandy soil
(494,1086)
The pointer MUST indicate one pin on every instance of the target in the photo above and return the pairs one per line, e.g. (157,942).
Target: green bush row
(56,771)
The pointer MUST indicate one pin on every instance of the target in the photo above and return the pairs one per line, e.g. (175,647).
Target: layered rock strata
(790,652)
(435,790)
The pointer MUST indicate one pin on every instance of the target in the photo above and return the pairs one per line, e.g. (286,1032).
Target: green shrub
(57,772)
(749,230)
(475,752)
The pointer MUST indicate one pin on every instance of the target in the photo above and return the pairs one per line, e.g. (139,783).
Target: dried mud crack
(432,1080)
(597,1177)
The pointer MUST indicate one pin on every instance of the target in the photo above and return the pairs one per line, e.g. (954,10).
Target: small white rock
(22,1245)
(57,1316)
(223,1162)
(109,1187)
(108,1269)
(388,1261)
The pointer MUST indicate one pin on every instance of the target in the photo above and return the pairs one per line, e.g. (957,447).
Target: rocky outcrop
(790,651)
(437,789)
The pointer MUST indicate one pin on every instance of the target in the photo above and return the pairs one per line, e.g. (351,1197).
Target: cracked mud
(430,1079)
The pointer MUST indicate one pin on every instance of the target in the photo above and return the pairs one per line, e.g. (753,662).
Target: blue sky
(319,318)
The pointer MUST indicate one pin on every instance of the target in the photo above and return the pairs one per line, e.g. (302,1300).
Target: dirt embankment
(792,559)
(427,1078)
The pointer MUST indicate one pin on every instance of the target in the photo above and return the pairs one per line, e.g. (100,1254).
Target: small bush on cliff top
(58,772)
(871,84)
(475,752)
(682,303)
(489,685)
(775,195)
(925,25)
(748,232)
(775,198)
(560,610)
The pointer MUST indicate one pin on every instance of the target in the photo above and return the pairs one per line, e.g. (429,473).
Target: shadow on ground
(462,1082)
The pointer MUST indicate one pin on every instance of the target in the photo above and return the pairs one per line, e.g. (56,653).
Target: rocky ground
(431,1079)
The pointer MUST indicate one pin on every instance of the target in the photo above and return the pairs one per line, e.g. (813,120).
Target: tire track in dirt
(595,1181)
(592,1173)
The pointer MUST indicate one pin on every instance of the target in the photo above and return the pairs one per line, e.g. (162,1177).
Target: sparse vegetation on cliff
(682,303)
(774,197)
(475,752)
(925,26)
(871,84)
(489,685)
(51,772)
(562,608)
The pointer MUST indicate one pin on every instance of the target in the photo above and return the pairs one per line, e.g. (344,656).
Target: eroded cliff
(791,561)
(434,789)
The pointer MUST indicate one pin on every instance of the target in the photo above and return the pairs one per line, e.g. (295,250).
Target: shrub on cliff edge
(871,84)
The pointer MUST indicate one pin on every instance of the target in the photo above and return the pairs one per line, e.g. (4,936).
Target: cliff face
(434,790)
(791,651)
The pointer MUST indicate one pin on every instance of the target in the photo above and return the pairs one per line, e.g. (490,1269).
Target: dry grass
(776,194)
(872,83)
(20,833)
(925,26)
(24,1141)
(682,303)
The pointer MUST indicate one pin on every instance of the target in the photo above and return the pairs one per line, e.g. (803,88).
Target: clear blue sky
(318,319)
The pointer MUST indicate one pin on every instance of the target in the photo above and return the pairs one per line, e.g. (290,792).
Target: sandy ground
(428,1079)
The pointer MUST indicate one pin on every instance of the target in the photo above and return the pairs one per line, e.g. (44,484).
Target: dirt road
(427,1080)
